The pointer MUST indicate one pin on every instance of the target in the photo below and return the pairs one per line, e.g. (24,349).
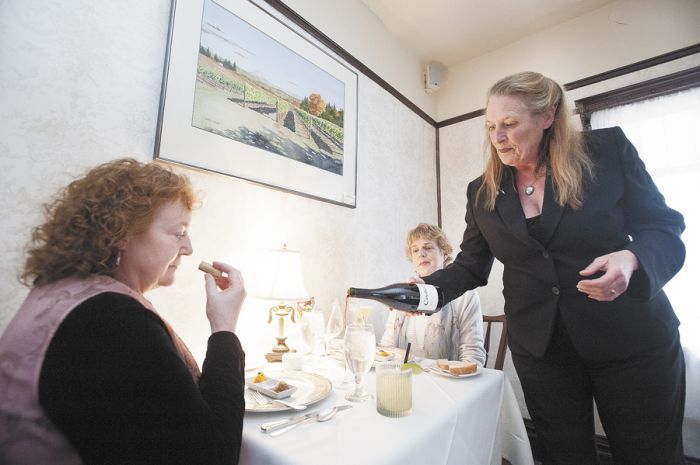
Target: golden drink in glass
(394,390)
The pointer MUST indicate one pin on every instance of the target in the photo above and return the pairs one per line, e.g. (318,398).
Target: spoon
(322,415)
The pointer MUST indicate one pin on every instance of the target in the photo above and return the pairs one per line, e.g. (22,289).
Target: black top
(113,382)
(534,227)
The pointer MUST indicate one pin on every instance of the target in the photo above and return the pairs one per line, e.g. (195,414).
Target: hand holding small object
(207,268)
(225,296)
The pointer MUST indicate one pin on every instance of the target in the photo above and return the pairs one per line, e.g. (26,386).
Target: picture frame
(246,95)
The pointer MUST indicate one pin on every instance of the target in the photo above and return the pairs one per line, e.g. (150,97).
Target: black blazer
(622,209)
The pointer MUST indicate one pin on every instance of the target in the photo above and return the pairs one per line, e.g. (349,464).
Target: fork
(262,400)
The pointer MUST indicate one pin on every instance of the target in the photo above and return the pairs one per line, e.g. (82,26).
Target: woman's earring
(119,258)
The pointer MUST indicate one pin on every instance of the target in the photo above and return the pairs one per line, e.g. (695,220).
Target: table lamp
(284,284)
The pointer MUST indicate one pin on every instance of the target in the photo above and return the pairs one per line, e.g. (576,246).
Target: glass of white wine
(335,324)
(312,330)
(360,344)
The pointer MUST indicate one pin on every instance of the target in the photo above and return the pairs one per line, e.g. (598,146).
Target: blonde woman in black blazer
(587,242)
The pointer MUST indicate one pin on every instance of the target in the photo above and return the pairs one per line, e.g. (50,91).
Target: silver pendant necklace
(530,188)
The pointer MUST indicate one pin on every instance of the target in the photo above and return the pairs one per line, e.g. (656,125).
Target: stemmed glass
(360,345)
(334,326)
(312,329)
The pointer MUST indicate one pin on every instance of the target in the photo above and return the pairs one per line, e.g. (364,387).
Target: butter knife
(272,425)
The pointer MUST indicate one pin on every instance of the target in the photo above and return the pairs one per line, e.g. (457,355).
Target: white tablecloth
(454,421)
(513,435)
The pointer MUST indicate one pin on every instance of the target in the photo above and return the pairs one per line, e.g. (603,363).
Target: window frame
(664,85)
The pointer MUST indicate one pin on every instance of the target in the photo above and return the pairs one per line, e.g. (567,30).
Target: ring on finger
(613,292)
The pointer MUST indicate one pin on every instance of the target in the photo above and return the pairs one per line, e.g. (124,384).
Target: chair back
(501,353)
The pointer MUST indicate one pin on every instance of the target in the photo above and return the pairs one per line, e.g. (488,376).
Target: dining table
(474,420)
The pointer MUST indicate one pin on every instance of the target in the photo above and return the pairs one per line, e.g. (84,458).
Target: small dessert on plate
(280,386)
(271,387)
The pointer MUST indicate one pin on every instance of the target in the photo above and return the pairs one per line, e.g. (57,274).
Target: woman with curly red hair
(89,371)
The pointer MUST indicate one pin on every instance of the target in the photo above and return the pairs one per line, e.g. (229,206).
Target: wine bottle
(408,297)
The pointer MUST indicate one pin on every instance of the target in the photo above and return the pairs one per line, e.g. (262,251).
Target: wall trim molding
(460,118)
(437,176)
(648,63)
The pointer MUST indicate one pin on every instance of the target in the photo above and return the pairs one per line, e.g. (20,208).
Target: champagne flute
(360,344)
(312,329)
(335,324)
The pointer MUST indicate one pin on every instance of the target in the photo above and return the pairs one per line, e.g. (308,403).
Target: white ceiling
(454,31)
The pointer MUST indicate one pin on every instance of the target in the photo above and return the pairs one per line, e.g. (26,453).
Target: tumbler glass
(394,390)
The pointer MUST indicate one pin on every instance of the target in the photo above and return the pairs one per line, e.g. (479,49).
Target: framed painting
(246,95)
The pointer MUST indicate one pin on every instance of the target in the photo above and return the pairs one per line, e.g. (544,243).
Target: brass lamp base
(278,351)
(273,357)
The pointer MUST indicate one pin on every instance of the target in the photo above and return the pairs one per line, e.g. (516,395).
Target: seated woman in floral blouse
(456,331)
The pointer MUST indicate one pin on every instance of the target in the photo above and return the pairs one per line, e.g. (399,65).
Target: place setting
(284,391)
(290,391)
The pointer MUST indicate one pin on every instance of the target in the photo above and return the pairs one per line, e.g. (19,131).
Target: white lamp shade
(283,279)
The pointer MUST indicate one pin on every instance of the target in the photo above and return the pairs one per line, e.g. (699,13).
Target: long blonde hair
(561,151)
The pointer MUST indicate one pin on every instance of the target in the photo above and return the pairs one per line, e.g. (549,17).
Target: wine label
(428,297)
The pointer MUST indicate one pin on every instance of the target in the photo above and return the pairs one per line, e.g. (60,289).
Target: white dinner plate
(311,388)
(447,374)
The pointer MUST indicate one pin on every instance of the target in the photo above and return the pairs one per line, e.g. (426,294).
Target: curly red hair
(90,219)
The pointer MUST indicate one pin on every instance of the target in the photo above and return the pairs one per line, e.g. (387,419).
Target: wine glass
(334,326)
(360,345)
(312,329)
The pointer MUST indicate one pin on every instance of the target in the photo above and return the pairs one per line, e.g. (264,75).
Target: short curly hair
(431,233)
(88,221)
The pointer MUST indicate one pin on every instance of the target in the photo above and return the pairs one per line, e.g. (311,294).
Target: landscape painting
(254,90)
(248,96)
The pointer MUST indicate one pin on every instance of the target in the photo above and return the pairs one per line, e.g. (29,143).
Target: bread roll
(443,363)
(462,368)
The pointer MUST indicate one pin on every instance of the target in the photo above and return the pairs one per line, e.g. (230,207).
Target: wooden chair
(501,354)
